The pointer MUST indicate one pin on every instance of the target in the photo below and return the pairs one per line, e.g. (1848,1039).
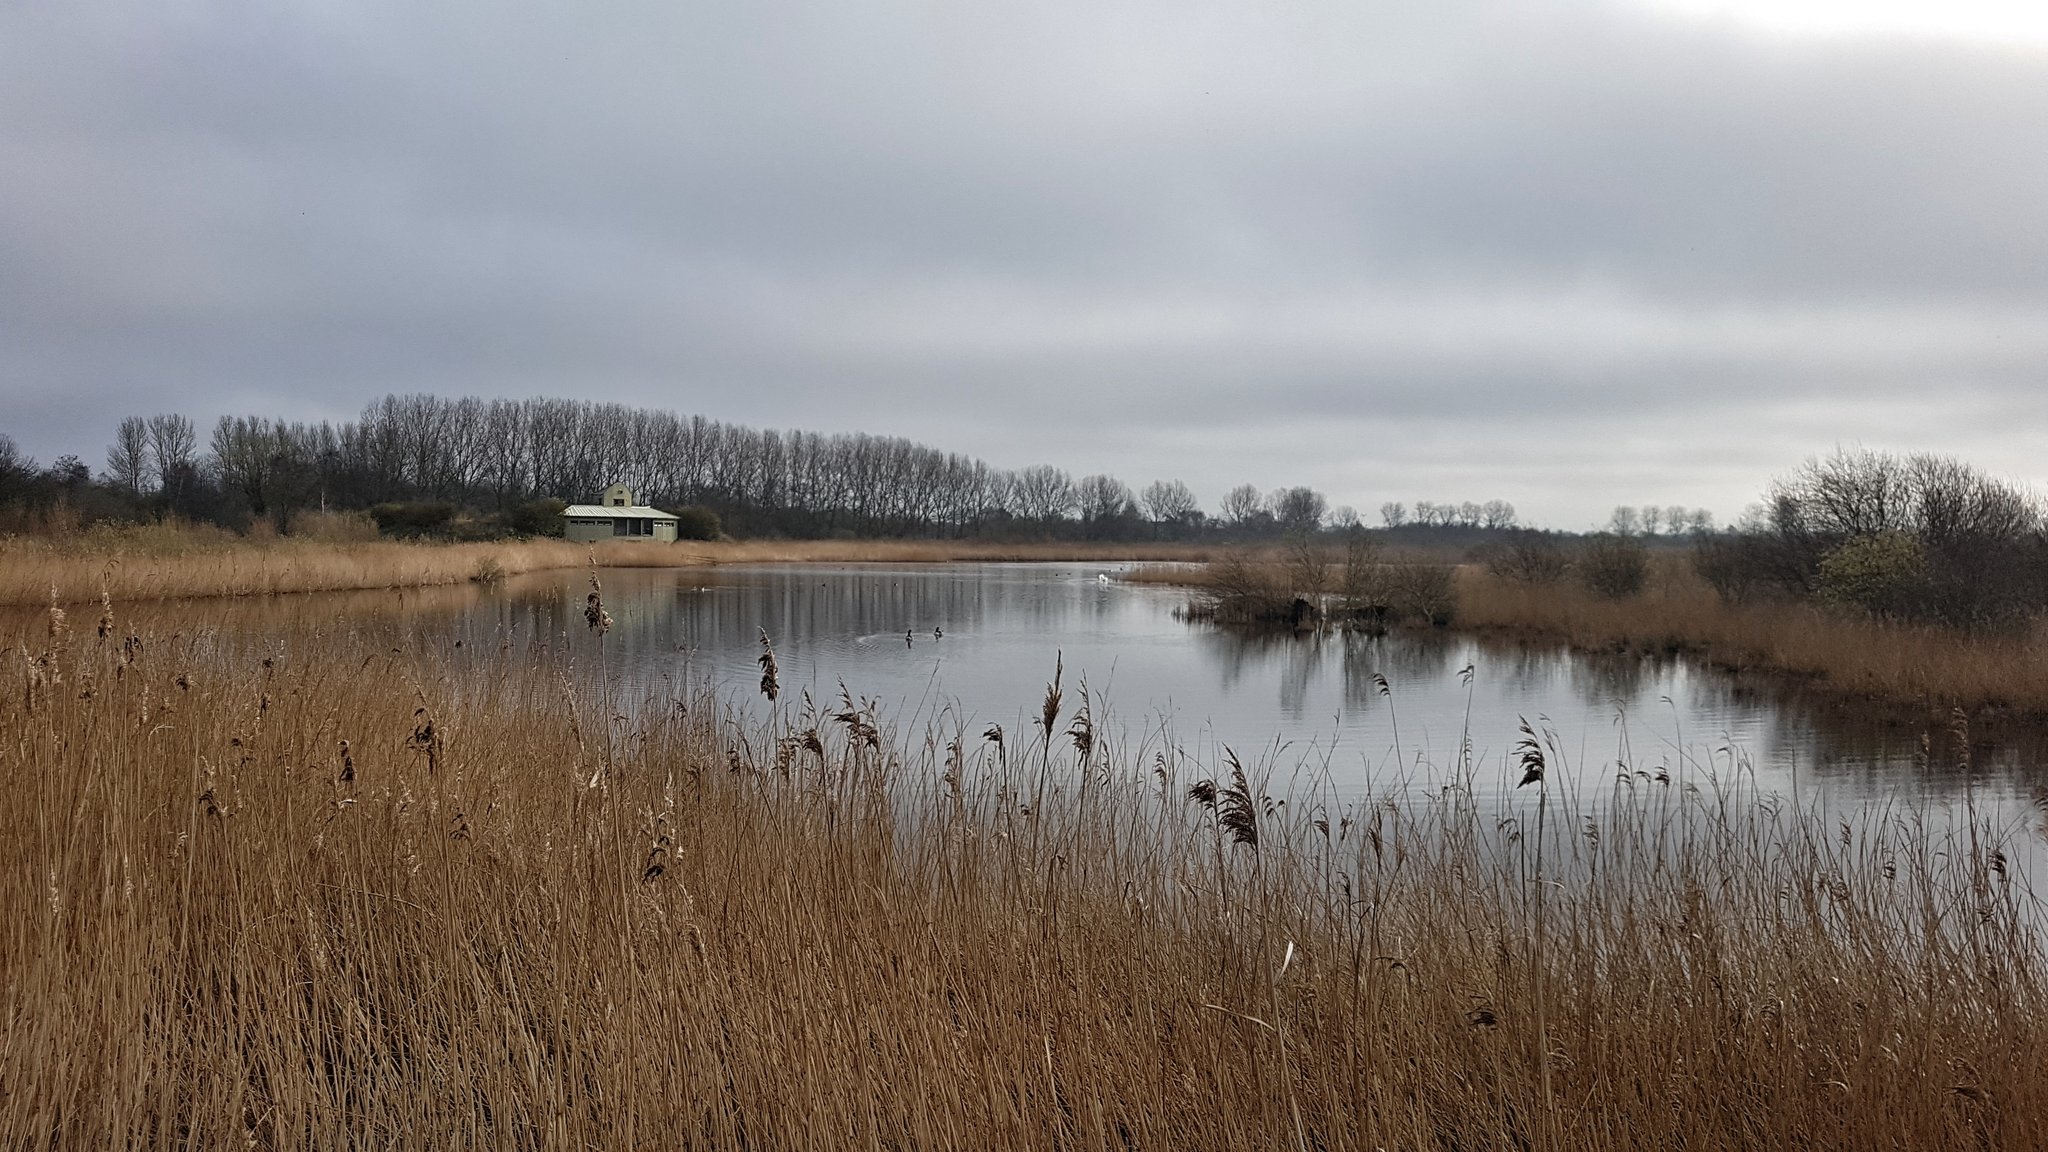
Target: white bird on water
(1103,577)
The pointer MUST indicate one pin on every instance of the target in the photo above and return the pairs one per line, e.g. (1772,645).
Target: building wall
(584,531)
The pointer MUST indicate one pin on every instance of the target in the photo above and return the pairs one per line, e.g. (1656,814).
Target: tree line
(1909,537)
(497,457)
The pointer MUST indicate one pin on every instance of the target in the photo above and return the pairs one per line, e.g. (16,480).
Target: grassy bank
(152,563)
(1835,650)
(1831,649)
(302,889)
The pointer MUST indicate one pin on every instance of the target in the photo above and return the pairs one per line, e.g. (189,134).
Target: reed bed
(1835,649)
(77,570)
(306,888)
(157,562)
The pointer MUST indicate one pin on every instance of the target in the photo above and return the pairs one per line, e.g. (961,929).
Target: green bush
(541,517)
(697,523)
(1881,573)
(417,518)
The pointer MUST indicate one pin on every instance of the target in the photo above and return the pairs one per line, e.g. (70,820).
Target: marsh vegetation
(295,886)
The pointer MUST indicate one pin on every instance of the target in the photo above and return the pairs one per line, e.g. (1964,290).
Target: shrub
(1426,592)
(333,527)
(1884,574)
(1365,584)
(698,523)
(418,518)
(1308,569)
(1527,556)
(1613,566)
(1924,537)
(1239,590)
(541,517)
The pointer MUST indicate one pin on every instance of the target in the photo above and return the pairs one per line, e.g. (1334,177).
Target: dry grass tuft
(299,888)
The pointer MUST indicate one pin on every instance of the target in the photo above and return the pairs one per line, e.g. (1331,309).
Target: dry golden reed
(1834,649)
(1829,648)
(155,562)
(295,888)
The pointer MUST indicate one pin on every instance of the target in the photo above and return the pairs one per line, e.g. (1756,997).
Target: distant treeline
(502,458)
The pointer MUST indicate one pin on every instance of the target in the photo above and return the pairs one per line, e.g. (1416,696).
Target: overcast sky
(1570,254)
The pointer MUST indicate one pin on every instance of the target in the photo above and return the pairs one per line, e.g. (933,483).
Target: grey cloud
(1327,242)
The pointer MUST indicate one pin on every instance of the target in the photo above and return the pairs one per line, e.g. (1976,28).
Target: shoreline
(163,566)
(1789,646)
(334,891)
(1799,647)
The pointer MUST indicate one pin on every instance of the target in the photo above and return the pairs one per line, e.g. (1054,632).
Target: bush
(1613,566)
(541,517)
(1239,590)
(1526,556)
(1884,574)
(698,523)
(1365,582)
(413,519)
(1426,592)
(333,527)
(1922,537)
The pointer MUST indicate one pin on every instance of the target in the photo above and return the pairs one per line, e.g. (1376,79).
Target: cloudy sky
(1570,253)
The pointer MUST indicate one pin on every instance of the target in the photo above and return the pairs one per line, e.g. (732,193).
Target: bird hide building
(617,517)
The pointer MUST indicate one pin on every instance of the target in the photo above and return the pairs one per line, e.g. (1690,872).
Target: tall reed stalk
(308,888)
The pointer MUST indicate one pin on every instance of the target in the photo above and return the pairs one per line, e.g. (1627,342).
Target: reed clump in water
(1308,585)
(306,888)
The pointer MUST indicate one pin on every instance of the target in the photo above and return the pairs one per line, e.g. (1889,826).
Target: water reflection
(982,640)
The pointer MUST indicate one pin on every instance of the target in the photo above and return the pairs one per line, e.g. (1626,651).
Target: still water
(974,645)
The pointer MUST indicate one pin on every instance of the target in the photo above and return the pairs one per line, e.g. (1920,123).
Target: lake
(974,645)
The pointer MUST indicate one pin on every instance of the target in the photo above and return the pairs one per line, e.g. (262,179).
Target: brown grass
(1832,649)
(294,889)
(170,562)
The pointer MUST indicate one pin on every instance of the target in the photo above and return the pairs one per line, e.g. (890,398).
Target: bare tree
(1043,492)
(1498,515)
(243,450)
(1298,509)
(173,449)
(16,470)
(1171,502)
(1104,498)
(1393,514)
(1625,521)
(128,455)
(1241,505)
